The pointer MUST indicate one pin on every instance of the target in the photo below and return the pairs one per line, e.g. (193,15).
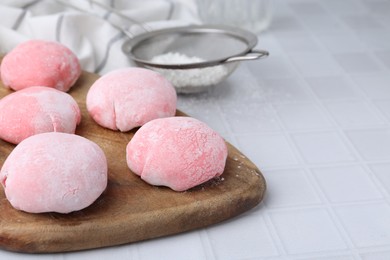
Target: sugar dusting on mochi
(127,98)
(54,172)
(177,152)
(40,63)
(37,110)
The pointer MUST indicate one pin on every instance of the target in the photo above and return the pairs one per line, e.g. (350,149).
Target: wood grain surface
(129,210)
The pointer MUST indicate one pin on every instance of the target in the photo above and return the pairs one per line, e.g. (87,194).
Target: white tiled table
(315,118)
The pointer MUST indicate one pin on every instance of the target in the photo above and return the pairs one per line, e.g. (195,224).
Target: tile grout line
(341,230)
(277,242)
(206,244)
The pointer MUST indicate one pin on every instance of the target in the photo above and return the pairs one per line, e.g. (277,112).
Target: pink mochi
(54,172)
(178,152)
(40,63)
(37,110)
(127,98)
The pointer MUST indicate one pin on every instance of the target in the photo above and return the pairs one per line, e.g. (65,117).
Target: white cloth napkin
(94,34)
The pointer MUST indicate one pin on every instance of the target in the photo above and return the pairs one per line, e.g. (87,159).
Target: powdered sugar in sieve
(197,78)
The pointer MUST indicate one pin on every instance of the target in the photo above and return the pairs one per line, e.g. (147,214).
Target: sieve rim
(245,36)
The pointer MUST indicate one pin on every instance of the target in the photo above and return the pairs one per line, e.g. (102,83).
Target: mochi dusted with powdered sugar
(178,152)
(54,172)
(40,63)
(127,98)
(37,110)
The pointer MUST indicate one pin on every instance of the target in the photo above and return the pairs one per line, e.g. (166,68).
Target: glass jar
(252,15)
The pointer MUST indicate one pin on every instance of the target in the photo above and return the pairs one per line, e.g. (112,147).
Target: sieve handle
(251,55)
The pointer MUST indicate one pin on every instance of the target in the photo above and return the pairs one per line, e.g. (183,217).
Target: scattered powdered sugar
(183,78)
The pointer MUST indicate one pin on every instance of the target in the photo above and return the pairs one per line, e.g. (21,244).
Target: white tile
(383,18)
(320,24)
(283,9)
(380,255)
(333,257)
(372,144)
(298,43)
(286,188)
(383,106)
(267,150)
(243,237)
(313,65)
(374,39)
(353,113)
(124,252)
(302,116)
(286,24)
(8,255)
(346,184)
(374,86)
(307,8)
(274,66)
(204,110)
(239,86)
(361,22)
(285,90)
(381,7)
(329,256)
(181,246)
(382,173)
(322,147)
(307,230)
(367,225)
(250,118)
(345,7)
(332,87)
(384,57)
(337,42)
(357,62)
(270,43)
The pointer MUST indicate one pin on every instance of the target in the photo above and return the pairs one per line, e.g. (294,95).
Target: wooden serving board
(129,210)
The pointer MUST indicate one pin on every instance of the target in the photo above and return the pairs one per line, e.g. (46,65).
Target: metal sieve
(196,56)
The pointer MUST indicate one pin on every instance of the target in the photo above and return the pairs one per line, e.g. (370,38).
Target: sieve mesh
(211,54)
(198,44)
(213,44)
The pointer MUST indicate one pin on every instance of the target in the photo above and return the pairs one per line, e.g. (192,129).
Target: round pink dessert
(40,63)
(127,98)
(54,172)
(178,152)
(37,110)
